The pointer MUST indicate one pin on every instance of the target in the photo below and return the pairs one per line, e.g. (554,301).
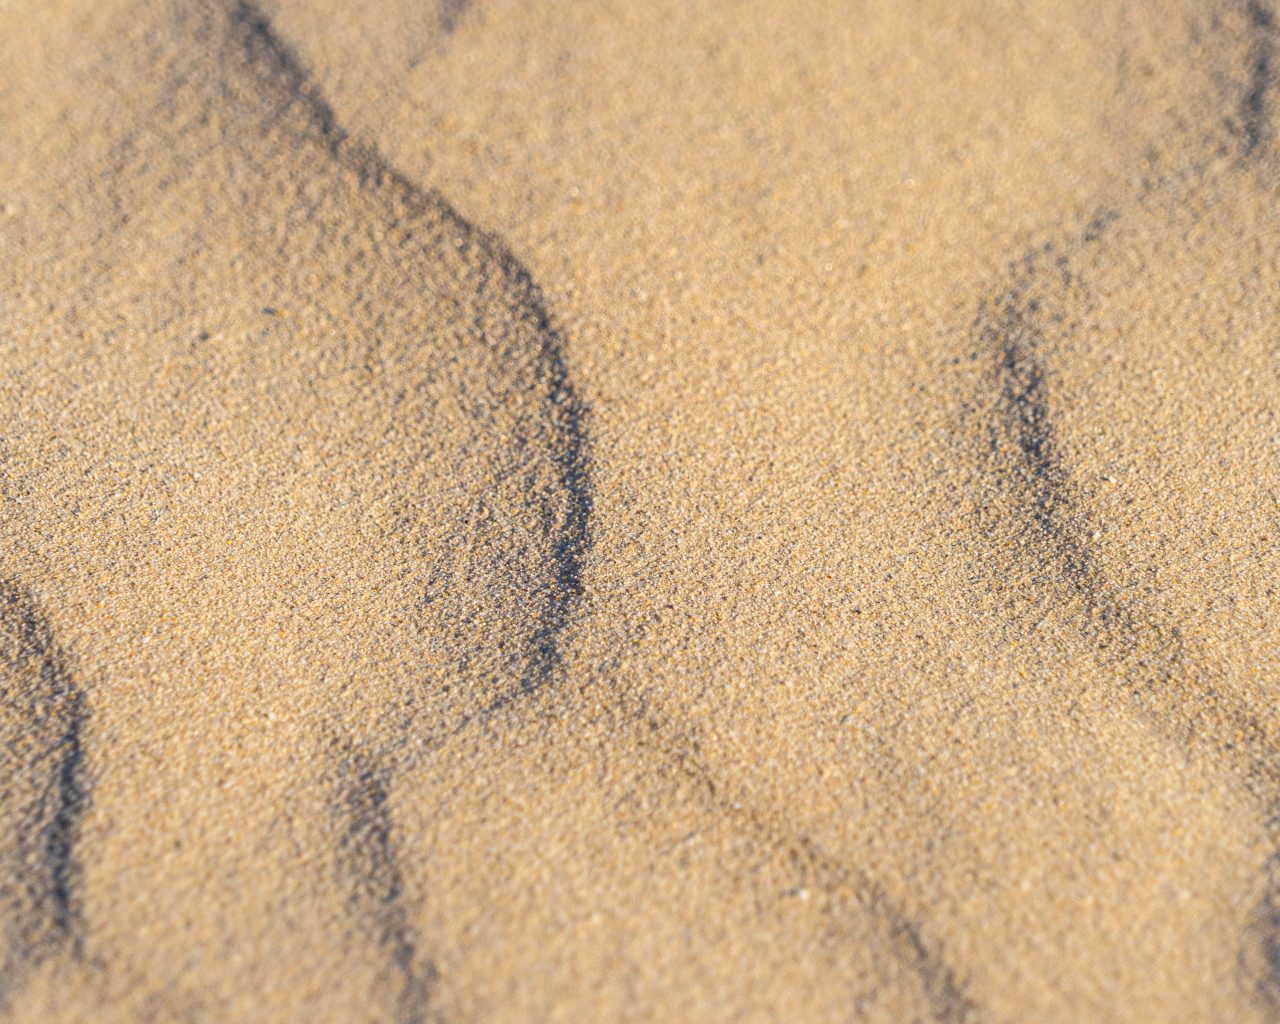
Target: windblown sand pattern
(743,511)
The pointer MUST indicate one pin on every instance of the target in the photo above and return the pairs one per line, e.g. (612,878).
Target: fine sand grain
(748,511)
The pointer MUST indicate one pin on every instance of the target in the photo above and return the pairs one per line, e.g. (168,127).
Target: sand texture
(738,511)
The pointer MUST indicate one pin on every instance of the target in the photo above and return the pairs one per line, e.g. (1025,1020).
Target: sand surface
(743,511)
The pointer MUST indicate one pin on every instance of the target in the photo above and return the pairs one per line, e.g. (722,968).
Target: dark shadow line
(570,534)
(368,851)
(43,900)
(368,846)
(1254,113)
(572,537)
(949,1001)
(1159,676)
(1024,453)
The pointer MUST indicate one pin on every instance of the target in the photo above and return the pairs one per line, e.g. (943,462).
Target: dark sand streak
(368,854)
(1254,108)
(1171,688)
(572,536)
(1160,677)
(1023,454)
(948,999)
(43,795)
(569,532)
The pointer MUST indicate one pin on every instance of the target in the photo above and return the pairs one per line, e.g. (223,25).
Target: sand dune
(625,512)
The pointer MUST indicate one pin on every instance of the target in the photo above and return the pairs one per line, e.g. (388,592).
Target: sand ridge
(230,105)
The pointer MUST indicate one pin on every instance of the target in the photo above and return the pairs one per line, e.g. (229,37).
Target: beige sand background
(601,512)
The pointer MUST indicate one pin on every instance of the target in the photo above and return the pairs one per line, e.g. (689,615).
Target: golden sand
(748,511)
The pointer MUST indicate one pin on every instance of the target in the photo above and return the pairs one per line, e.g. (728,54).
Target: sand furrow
(566,526)
(1034,332)
(1046,301)
(368,854)
(368,851)
(947,997)
(1177,687)
(42,718)
(462,548)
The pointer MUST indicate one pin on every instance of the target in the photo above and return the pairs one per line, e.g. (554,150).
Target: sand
(629,512)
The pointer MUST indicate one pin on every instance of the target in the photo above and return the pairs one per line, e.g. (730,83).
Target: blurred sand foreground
(639,512)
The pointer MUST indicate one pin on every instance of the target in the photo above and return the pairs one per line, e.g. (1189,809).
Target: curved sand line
(1170,685)
(367,851)
(253,105)
(948,999)
(43,795)
(1046,298)
(944,987)
(570,530)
